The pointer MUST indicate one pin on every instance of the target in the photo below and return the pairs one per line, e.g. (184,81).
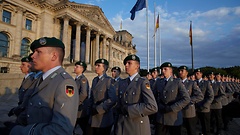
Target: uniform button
(165,96)
(28,116)
(23,90)
(164,91)
(133,93)
(30,103)
(172,90)
(141,121)
(126,102)
(40,103)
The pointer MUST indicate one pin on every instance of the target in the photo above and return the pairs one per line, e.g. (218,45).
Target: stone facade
(84,29)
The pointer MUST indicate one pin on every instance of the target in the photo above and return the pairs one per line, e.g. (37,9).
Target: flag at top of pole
(140,4)
(190,33)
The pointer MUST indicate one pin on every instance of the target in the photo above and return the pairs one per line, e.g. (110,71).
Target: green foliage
(232,71)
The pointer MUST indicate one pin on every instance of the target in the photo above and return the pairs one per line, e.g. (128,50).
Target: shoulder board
(65,75)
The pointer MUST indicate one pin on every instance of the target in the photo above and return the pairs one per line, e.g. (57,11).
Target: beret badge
(42,41)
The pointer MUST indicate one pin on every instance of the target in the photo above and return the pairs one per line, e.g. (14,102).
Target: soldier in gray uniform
(26,83)
(189,112)
(172,98)
(116,71)
(203,107)
(103,98)
(83,90)
(135,101)
(216,106)
(52,107)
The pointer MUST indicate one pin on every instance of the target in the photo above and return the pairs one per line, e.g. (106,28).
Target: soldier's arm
(110,101)
(84,90)
(183,101)
(147,106)
(197,95)
(221,94)
(210,95)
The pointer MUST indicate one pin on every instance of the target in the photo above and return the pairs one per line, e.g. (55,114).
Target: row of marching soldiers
(52,102)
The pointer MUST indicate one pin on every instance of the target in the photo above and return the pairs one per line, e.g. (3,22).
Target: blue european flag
(140,4)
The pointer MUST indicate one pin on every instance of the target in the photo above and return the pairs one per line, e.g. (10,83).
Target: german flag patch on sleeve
(69,90)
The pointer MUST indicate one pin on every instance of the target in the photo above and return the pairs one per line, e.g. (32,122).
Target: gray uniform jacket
(219,94)
(26,83)
(173,95)
(52,107)
(103,98)
(228,91)
(207,91)
(196,95)
(139,102)
(84,101)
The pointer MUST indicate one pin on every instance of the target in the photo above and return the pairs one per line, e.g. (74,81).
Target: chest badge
(69,90)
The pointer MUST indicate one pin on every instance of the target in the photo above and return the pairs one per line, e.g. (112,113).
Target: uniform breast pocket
(135,96)
(42,111)
(100,94)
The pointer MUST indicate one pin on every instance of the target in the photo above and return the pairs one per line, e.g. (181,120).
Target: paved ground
(9,101)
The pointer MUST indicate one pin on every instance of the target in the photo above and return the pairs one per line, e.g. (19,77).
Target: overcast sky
(215,24)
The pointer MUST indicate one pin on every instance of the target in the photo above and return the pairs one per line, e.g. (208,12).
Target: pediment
(93,13)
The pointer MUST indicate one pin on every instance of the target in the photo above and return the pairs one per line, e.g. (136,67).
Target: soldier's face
(115,73)
(43,58)
(167,71)
(183,73)
(154,74)
(131,67)
(211,77)
(99,68)
(198,75)
(78,69)
(25,67)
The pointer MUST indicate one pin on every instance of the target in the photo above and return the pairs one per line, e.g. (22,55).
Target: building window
(3,45)
(28,24)
(6,17)
(25,47)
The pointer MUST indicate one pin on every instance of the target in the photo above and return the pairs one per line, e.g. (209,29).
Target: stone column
(97,46)
(104,47)
(38,27)
(65,35)
(78,41)
(18,32)
(110,53)
(88,36)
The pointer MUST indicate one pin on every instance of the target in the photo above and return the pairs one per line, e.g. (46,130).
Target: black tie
(128,80)
(40,81)
(165,82)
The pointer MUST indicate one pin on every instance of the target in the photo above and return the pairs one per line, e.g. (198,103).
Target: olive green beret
(211,73)
(166,64)
(81,63)
(116,68)
(183,67)
(46,42)
(26,59)
(131,57)
(197,70)
(154,69)
(218,74)
(103,61)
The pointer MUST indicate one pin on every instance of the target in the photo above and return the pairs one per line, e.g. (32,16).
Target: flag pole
(147,35)
(155,52)
(191,43)
(160,44)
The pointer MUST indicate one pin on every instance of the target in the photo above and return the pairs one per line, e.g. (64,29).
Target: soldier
(203,107)
(216,106)
(136,101)
(26,83)
(155,73)
(149,76)
(52,107)
(116,71)
(172,98)
(103,98)
(189,112)
(83,89)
